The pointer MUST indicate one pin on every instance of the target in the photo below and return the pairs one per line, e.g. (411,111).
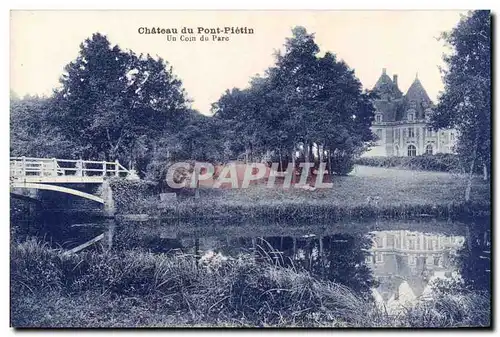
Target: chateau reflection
(405,262)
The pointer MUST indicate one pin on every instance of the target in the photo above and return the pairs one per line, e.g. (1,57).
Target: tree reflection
(339,258)
(474,259)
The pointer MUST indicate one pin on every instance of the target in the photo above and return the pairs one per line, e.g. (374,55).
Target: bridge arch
(56,188)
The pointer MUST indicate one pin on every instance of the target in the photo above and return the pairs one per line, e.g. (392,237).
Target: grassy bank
(368,192)
(131,289)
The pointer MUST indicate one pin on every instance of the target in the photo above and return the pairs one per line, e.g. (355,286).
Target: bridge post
(107,196)
(54,163)
(79,168)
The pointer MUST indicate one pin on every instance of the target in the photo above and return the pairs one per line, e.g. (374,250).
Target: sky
(403,42)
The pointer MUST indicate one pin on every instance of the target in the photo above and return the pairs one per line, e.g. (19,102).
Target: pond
(394,261)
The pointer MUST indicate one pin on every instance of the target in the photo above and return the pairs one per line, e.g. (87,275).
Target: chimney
(395,80)
(384,71)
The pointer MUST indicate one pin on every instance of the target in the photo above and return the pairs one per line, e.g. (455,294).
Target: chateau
(401,121)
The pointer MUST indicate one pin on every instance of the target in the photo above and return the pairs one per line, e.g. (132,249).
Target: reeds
(249,290)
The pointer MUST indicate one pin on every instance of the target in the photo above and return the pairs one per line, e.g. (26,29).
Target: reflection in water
(405,262)
(393,265)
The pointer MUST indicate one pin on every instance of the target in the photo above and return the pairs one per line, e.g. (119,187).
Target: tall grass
(49,288)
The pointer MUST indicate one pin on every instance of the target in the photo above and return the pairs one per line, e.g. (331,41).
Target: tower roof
(416,92)
(383,80)
(386,87)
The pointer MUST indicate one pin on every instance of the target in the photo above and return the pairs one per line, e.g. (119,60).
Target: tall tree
(113,104)
(303,102)
(465,103)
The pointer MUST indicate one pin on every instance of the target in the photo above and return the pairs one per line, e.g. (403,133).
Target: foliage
(441,162)
(115,104)
(303,102)
(31,132)
(465,103)
(128,195)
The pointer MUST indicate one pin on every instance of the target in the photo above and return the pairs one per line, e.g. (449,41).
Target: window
(452,136)
(436,260)
(378,118)
(410,117)
(430,132)
(411,133)
(379,133)
(428,149)
(378,242)
(379,257)
(412,151)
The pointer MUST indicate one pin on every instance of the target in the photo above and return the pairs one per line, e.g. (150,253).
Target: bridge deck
(59,179)
(63,171)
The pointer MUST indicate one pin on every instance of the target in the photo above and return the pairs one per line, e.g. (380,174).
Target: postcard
(234,169)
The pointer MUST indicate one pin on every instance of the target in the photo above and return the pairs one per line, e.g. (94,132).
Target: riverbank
(368,192)
(134,289)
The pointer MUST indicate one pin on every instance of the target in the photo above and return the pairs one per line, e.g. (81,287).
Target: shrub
(342,164)
(442,162)
(133,195)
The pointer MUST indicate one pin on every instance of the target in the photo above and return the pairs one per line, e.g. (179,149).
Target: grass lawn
(365,193)
(391,186)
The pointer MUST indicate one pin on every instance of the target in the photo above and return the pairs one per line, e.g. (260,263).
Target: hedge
(442,162)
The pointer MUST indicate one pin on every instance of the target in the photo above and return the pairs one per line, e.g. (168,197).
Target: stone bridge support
(107,196)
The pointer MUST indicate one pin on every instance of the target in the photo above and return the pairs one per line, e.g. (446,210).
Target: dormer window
(411,117)
(378,118)
(428,114)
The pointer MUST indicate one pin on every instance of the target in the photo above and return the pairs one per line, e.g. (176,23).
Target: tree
(113,104)
(465,103)
(31,133)
(303,102)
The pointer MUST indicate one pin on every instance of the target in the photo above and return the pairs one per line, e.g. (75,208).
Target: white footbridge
(49,173)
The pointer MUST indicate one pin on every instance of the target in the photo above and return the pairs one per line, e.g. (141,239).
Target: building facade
(401,121)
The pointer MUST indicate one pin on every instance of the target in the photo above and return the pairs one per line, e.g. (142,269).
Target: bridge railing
(29,166)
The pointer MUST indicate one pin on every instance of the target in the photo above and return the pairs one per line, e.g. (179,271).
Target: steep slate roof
(391,110)
(417,92)
(394,105)
(386,87)
(383,80)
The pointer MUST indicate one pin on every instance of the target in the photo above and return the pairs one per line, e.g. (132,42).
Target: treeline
(114,104)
